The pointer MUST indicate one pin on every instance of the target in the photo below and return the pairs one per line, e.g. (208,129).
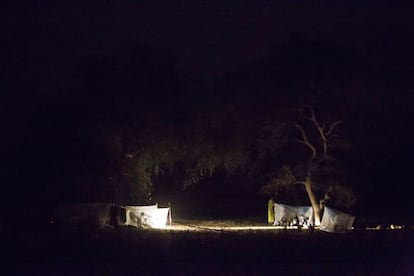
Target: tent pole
(169,214)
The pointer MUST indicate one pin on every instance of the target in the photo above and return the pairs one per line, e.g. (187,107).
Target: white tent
(146,216)
(288,215)
(335,221)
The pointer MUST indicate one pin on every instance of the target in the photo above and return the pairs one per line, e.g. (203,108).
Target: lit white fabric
(133,213)
(146,216)
(305,215)
(286,215)
(335,221)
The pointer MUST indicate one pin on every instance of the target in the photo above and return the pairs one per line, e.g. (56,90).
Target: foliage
(324,162)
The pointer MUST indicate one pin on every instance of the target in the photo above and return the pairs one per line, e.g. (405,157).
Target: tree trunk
(314,202)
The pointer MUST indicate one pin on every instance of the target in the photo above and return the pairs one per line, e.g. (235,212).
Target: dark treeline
(78,131)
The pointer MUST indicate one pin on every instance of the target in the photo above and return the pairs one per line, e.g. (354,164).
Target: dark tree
(321,173)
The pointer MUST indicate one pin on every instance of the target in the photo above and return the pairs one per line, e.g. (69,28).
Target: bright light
(396,227)
(391,227)
(158,218)
(373,228)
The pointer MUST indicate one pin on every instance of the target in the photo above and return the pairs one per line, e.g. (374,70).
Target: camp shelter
(335,221)
(150,216)
(290,215)
(81,215)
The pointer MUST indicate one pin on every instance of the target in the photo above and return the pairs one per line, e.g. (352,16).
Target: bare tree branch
(312,117)
(305,141)
(320,129)
(305,138)
(331,128)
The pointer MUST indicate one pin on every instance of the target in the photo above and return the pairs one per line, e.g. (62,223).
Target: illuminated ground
(194,227)
(252,226)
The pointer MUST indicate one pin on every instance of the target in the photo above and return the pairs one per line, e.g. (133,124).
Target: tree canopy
(128,119)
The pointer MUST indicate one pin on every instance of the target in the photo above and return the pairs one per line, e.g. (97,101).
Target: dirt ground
(128,251)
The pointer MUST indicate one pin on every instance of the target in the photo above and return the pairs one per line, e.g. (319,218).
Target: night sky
(63,62)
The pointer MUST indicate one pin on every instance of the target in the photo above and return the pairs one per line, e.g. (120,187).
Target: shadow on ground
(128,251)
